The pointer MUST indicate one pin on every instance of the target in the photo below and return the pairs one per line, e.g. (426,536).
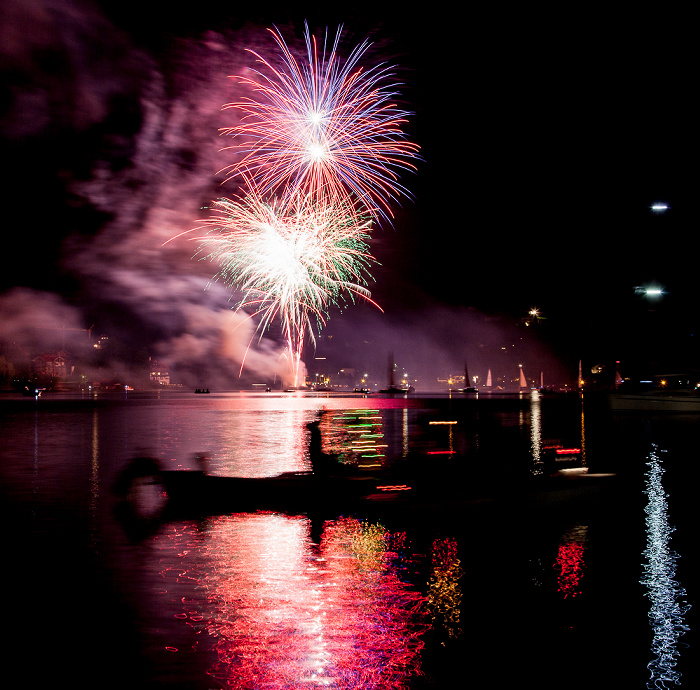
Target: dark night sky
(545,138)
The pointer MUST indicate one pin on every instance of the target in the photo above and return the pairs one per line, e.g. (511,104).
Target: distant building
(159,372)
(53,365)
(101,343)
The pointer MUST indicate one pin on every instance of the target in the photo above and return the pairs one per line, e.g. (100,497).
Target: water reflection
(263,445)
(536,433)
(444,589)
(584,459)
(284,612)
(668,608)
(569,563)
(94,479)
(355,436)
(253,601)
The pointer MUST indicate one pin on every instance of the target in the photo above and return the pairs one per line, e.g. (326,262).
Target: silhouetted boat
(147,492)
(393,389)
(150,496)
(202,390)
(467,388)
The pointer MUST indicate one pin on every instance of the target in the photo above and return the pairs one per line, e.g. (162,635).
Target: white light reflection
(275,442)
(405,435)
(536,432)
(94,479)
(665,593)
(583,435)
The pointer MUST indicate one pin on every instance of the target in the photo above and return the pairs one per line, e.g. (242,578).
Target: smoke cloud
(130,139)
(148,130)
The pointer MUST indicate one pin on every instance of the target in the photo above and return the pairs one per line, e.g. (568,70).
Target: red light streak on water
(570,565)
(282,612)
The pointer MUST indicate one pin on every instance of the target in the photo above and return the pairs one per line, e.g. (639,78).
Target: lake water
(493,580)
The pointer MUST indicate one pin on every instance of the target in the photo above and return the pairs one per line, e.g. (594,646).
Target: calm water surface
(496,581)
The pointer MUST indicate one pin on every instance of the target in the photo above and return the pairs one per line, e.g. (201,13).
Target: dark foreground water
(498,579)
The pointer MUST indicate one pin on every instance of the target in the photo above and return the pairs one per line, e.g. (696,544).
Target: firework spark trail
(323,128)
(290,260)
(321,144)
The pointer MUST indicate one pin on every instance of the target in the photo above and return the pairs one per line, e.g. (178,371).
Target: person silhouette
(321,463)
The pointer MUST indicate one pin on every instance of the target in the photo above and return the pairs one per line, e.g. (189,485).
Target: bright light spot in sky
(315,117)
(659,207)
(316,152)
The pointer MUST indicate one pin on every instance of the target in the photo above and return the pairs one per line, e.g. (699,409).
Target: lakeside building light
(650,291)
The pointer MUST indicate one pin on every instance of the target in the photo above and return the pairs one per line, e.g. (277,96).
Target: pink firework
(323,127)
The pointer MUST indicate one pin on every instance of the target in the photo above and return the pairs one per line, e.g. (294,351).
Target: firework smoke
(128,144)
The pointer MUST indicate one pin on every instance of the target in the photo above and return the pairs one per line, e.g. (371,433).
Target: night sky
(545,138)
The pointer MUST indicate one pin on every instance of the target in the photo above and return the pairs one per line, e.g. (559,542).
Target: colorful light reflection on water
(285,612)
(252,601)
(569,563)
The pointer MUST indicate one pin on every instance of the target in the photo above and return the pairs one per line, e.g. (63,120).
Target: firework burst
(291,259)
(321,146)
(323,128)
